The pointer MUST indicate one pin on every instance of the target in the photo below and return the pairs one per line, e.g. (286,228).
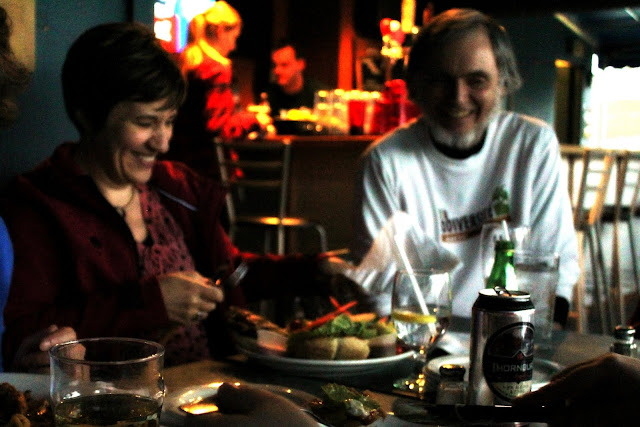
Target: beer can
(501,353)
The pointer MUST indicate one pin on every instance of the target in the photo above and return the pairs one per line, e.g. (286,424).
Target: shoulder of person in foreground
(599,391)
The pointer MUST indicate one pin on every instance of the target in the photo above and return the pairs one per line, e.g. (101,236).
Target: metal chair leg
(597,227)
(281,239)
(634,254)
(606,289)
(596,281)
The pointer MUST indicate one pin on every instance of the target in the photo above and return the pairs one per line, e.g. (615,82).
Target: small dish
(173,416)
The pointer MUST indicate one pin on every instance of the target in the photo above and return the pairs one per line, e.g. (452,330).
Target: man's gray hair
(451,24)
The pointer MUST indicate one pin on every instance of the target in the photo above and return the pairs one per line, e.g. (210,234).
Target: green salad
(344,326)
(345,406)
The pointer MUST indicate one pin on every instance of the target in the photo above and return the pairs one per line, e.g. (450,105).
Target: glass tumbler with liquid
(107,382)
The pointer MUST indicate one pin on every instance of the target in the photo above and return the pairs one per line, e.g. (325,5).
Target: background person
(113,242)
(210,108)
(449,168)
(290,87)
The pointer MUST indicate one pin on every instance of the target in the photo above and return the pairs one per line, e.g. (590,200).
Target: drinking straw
(505,228)
(412,277)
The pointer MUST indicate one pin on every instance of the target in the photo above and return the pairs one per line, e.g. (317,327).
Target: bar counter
(323,172)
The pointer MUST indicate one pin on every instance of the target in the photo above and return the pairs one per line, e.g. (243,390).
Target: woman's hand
(189,296)
(598,392)
(33,353)
(248,406)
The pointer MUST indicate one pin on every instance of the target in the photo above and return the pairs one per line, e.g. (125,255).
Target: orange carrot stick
(324,319)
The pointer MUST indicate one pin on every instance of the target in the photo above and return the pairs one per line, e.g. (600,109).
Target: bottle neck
(503,271)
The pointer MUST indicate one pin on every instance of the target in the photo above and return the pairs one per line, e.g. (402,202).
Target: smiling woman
(115,242)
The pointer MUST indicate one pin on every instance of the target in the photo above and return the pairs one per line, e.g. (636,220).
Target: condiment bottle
(452,388)
(624,341)
(503,273)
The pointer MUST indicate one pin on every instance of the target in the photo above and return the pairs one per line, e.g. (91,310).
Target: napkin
(400,233)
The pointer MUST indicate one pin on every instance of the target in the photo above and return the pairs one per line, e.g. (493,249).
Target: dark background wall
(43,123)
(538,41)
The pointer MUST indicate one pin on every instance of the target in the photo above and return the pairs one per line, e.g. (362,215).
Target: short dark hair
(285,42)
(117,62)
(453,23)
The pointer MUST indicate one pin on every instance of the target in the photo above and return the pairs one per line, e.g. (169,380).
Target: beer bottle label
(507,361)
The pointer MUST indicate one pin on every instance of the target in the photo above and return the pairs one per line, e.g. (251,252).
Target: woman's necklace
(122,210)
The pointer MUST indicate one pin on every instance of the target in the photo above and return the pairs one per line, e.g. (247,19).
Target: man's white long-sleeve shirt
(517,174)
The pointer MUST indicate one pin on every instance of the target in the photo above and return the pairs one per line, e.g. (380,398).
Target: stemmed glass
(421,312)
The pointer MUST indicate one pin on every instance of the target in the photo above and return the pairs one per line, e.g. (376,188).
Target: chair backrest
(258,166)
(626,197)
(594,182)
(632,182)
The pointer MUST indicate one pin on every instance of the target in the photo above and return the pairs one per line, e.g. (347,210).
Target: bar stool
(256,174)
(627,188)
(587,213)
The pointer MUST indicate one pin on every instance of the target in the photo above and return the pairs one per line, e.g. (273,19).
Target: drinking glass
(492,231)
(537,273)
(421,312)
(357,106)
(107,382)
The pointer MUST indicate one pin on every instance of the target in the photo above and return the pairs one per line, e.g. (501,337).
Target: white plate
(327,369)
(37,383)
(172,416)
(543,369)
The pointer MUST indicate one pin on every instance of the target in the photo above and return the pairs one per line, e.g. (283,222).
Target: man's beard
(461,141)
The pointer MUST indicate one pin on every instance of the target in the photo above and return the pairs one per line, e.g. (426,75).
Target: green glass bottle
(503,272)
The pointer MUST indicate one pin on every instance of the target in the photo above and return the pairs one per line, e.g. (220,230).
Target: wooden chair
(624,209)
(257,176)
(587,212)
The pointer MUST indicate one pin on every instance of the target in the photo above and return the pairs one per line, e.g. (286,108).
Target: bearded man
(464,156)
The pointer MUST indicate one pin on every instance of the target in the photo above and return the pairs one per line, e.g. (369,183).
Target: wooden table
(569,348)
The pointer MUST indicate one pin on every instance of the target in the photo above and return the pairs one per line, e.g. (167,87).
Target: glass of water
(537,273)
(107,382)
